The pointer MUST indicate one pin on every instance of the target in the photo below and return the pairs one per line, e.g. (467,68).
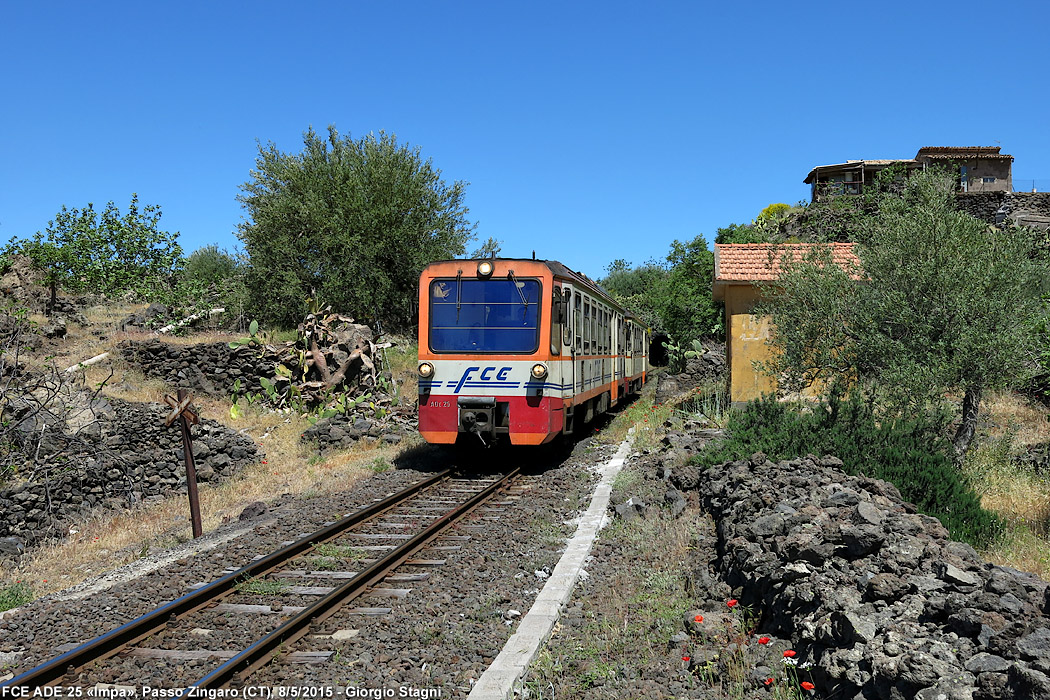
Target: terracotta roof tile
(760,262)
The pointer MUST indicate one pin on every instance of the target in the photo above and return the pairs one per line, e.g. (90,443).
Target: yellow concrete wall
(746,336)
(750,333)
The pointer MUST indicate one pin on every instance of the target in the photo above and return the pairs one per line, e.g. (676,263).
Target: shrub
(912,454)
(15,595)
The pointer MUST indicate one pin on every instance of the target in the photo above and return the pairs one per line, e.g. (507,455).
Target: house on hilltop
(981,169)
(740,270)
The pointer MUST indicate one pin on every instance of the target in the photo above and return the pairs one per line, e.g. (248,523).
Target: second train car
(520,350)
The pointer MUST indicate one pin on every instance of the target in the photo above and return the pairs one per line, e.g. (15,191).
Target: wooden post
(182,412)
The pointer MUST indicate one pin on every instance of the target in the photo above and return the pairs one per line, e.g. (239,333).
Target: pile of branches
(334,363)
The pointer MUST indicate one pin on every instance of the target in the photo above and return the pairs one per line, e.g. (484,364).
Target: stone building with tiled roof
(981,169)
(740,269)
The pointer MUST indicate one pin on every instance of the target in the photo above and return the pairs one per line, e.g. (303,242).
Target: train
(520,351)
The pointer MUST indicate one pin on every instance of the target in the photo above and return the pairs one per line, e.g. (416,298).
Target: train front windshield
(493,315)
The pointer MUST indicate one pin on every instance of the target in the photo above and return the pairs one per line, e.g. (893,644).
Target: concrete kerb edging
(500,678)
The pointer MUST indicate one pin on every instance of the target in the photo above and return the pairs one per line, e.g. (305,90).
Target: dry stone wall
(873,594)
(209,368)
(1025,208)
(134,458)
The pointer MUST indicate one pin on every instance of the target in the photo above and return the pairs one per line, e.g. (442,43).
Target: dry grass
(1017,494)
(1010,412)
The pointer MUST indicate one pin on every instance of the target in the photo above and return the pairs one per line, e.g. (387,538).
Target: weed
(626,480)
(338,551)
(709,404)
(1019,495)
(597,674)
(15,595)
(259,586)
(380,465)
(325,564)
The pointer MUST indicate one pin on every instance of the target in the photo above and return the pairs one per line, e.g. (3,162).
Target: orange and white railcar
(523,350)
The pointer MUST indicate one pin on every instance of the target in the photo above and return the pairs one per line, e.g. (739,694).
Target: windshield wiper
(517,285)
(459,295)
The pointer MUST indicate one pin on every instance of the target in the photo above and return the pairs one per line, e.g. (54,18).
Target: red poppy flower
(685,658)
(789,653)
(698,618)
(264,461)
(807,685)
(732,602)
(763,640)
(769,681)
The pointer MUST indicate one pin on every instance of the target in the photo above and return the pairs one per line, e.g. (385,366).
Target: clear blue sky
(588,131)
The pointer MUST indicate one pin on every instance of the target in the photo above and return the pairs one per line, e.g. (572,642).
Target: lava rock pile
(875,595)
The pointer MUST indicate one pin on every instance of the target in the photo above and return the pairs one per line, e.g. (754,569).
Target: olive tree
(945,306)
(349,221)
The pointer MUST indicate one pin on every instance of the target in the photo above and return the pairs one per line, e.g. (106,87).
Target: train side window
(576,322)
(586,326)
(557,320)
(567,321)
(594,329)
(606,334)
(601,332)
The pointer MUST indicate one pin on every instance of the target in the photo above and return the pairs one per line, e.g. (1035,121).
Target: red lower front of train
(526,420)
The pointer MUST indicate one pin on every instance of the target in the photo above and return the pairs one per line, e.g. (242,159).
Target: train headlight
(426,370)
(485,269)
(539,370)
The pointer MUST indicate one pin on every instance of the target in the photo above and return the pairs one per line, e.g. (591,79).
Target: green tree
(638,288)
(686,306)
(947,306)
(211,276)
(351,221)
(741,233)
(106,253)
(489,249)
(673,298)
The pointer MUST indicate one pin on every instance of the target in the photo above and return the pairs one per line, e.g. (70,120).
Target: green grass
(338,551)
(15,595)
(326,564)
(259,586)
(709,404)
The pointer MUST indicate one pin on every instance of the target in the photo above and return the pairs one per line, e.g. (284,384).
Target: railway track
(414,518)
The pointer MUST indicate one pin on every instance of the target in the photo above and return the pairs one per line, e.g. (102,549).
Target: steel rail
(238,668)
(112,642)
